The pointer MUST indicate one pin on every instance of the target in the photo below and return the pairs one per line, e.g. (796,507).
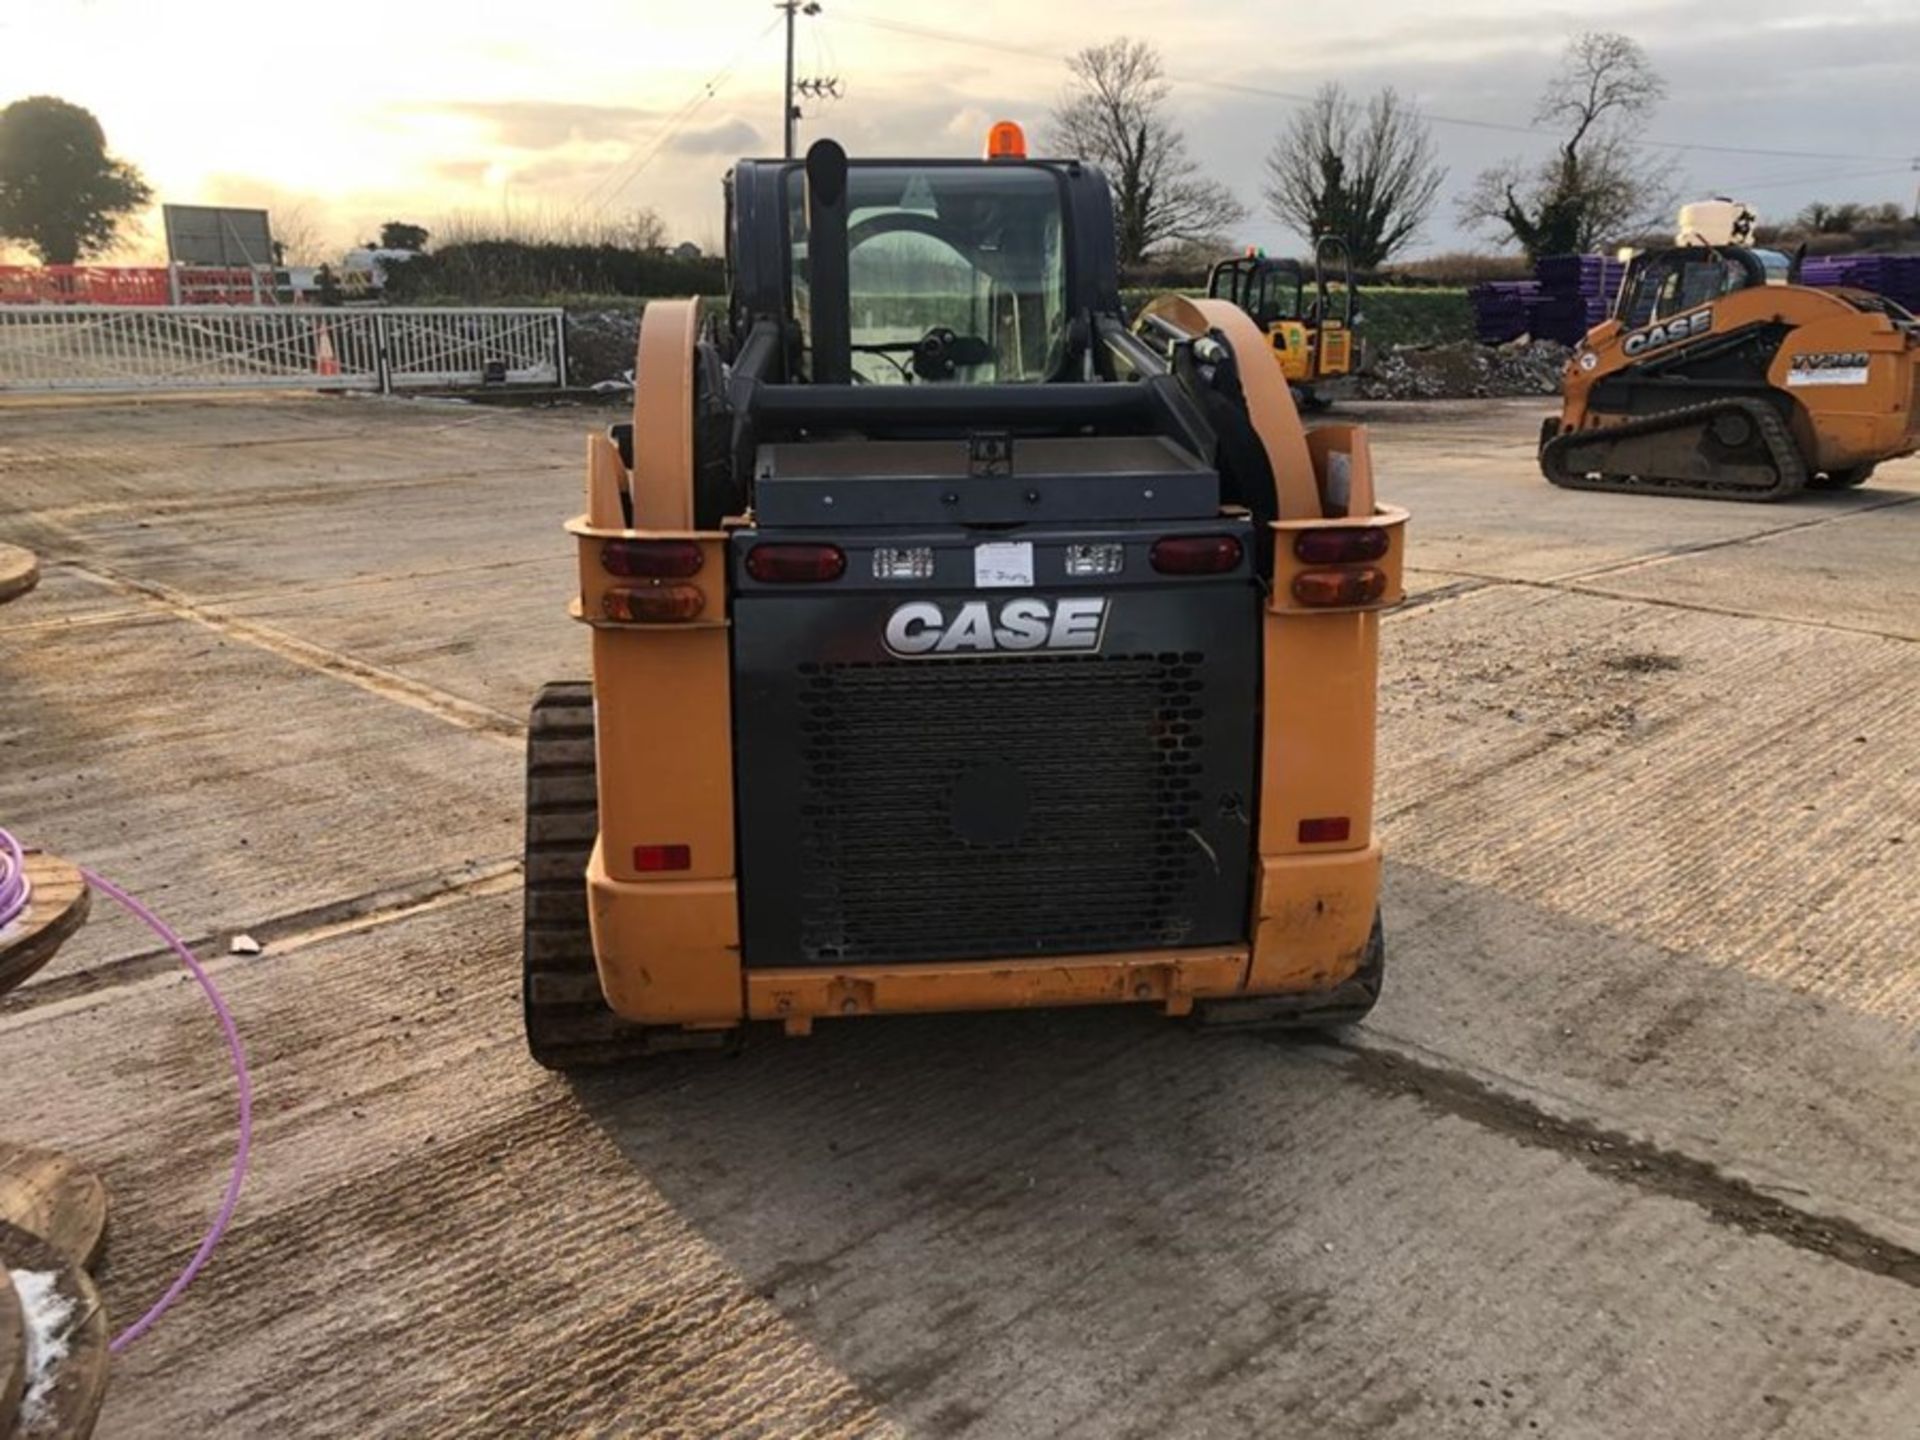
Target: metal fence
(246,347)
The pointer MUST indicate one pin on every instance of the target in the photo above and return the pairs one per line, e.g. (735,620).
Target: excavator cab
(1268,288)
(1311,340)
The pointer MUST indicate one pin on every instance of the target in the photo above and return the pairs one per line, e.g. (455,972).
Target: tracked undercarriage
(1732,449)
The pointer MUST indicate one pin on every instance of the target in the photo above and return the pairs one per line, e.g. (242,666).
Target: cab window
(956,274)
(1665,285)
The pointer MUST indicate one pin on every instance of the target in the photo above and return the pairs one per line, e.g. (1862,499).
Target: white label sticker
(1003,564)
(1852,375)
(1339,481)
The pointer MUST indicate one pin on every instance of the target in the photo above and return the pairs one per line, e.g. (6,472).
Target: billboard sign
(217,235)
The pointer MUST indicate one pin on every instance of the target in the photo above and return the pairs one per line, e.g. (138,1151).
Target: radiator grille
(1103,755)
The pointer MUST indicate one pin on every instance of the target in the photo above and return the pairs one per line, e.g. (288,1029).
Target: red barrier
(134,285)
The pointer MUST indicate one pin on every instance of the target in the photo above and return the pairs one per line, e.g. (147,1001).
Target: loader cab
(1662,283)
(954,272)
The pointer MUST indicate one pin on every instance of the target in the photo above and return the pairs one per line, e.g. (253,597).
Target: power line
(674,123)
(1832,178)
(1209,82)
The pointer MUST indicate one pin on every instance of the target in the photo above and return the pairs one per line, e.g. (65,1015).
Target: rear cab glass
(977,250)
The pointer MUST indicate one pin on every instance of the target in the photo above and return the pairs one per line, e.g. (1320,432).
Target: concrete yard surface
(1628,1148)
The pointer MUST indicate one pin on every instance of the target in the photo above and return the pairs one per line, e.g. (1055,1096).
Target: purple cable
(12,866)
(15,889)
(243,1082)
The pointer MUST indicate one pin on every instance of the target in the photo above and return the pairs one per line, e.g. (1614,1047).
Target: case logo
(977,626)
(1681,327)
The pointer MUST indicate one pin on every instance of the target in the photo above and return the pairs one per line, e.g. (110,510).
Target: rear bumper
(669,954)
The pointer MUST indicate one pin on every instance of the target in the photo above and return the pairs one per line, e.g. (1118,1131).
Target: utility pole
(790,112)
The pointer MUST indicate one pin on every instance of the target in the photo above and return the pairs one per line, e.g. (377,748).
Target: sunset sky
(344,116)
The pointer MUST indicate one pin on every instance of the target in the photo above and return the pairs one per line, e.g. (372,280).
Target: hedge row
(493,270)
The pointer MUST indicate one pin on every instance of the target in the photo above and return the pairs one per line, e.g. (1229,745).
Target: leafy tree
(1114,113)
(1596,185)
(61,194)
(399,235)
(1367,174)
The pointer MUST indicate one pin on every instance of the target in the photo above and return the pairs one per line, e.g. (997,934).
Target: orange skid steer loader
(954,645)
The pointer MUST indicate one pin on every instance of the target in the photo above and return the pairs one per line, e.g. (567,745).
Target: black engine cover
(967,798)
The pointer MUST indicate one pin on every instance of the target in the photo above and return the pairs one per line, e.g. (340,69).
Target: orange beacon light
(1006,141)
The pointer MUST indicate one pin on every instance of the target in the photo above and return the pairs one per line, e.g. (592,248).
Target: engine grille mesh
(1103,751)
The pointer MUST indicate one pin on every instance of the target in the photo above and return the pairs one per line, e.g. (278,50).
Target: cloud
(549,124)
(731,137)
(1770,74)
(462,172)
(559,172)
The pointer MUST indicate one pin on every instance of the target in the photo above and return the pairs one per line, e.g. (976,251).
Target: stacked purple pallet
(1580,290)
(1895,276)
(1502,309)
(1569,295)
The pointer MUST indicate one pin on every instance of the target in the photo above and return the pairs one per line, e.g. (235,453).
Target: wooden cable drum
(55,1197)
(56,910)
(19,572)
(69,1404)
(13,1353)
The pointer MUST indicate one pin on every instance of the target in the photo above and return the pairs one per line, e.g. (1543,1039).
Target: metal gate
(247,347)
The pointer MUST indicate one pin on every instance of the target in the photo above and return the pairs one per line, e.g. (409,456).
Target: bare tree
(1114,113)
(1597,184)
(1367,174)
(643,229)
(297,237)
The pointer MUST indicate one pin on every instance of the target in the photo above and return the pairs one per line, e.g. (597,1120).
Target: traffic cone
(325,362)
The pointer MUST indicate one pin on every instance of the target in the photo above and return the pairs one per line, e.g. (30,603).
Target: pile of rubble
(600,345)
(1464,370)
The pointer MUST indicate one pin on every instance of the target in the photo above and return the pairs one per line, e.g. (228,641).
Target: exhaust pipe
(831,336)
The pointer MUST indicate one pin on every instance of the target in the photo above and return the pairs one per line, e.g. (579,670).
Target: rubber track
(1790,469)
(569,1025)
(1345,1004)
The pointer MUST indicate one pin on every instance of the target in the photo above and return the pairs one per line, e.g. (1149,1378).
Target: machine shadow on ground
(946,1204)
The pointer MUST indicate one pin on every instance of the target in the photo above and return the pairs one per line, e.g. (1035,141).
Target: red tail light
(796,564)
(653,604)
(1337,546)
(1325,830)
(1195,554)
(1339,587)
(649,858)
(651,559)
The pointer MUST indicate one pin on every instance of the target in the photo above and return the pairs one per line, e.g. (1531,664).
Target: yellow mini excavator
(955,645)
(1312,340)
(1718,375)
